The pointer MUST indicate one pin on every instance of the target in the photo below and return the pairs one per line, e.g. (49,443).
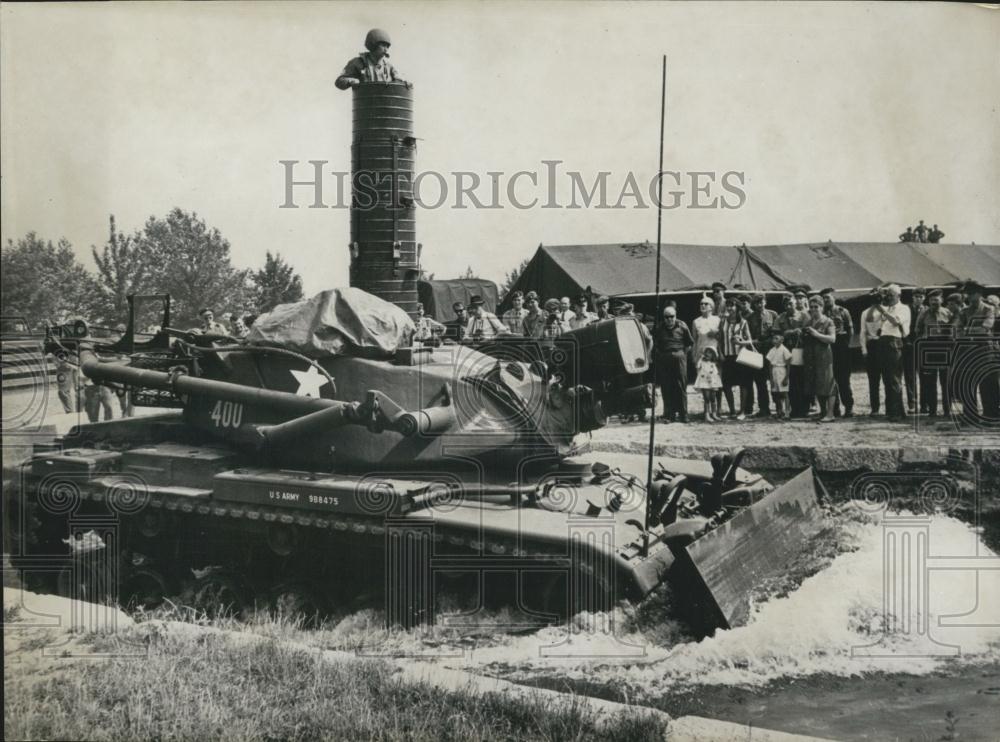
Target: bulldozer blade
(720,570)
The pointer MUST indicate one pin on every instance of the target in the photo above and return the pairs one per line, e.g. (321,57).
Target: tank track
(112,502)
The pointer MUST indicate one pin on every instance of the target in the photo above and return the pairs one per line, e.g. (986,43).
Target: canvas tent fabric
(335,322)
(438,296)
(628,269)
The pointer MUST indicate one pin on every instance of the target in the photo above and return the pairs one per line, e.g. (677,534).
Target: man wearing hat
(761,323)
(581,316)
(483,325)
(455,329)
(935,337)
(513,318)
(975,329)
(719,297)
(843,325)
(671,345)
(910,374)
(370,66)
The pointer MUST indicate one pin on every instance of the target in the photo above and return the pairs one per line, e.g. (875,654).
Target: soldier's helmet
(375,36)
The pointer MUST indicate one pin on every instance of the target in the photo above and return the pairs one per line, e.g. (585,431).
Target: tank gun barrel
(183,384)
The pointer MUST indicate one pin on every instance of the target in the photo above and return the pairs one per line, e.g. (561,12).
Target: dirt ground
(860,430)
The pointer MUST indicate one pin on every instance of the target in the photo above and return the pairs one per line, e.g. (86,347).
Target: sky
(843,121)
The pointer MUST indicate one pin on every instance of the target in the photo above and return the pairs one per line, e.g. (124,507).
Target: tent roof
(629,269)
(626,268)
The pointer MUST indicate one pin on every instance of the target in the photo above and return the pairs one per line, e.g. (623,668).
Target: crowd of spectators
(800,358)
(749,361)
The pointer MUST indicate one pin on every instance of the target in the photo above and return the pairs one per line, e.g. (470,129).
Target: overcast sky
(848,121)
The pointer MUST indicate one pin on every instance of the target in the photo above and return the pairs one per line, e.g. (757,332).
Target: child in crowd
(709,382)
(779,358)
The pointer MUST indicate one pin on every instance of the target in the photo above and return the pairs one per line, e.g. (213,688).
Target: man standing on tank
(370,66)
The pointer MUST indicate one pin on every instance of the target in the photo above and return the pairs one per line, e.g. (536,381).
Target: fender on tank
(385,260)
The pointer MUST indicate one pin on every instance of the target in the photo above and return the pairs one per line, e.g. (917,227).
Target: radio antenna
(658,316)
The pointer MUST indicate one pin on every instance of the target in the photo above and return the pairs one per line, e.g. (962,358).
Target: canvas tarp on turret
(335,322)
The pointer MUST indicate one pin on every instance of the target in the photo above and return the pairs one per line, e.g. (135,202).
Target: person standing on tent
(935,235)
(370,66)
(513,318)
(908,235)
(909,361)
(671,346)
(921,231)
(935,331)
(844,326)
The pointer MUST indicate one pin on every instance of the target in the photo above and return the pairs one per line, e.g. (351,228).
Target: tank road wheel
(144,588)
(220,592)
(293,599)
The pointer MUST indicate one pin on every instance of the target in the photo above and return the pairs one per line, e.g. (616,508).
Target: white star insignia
(309,382)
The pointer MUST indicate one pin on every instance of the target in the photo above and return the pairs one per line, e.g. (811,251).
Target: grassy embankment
(209,685)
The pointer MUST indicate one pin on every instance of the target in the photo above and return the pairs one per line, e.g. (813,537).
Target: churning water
(897,593)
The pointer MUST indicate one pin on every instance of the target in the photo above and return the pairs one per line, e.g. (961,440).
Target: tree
(190,261)
(46,282)
(511,278)
(123,268)
(276,283)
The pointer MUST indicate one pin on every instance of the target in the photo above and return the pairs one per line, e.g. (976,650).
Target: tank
(329,454)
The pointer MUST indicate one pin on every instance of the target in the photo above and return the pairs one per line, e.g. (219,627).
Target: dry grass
(207,685)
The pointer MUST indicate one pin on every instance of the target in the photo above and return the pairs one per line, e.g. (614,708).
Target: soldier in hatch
(370,66)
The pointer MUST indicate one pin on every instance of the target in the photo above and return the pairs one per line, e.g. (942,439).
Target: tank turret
(328,451)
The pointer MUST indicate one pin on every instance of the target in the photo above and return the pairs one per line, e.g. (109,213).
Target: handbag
(750,358)
(797,358)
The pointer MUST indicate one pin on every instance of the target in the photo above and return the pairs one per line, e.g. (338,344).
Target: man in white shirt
(565,313)
(483,325)
(883,328)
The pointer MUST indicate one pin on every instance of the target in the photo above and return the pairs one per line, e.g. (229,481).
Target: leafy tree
(46,282)
(191,262)
(511,278)
(123,268)
(276,283)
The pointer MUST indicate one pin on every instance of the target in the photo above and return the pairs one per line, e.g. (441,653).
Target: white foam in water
(824,626)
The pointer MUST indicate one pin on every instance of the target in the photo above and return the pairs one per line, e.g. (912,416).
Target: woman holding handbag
(734,335)
(818,337)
